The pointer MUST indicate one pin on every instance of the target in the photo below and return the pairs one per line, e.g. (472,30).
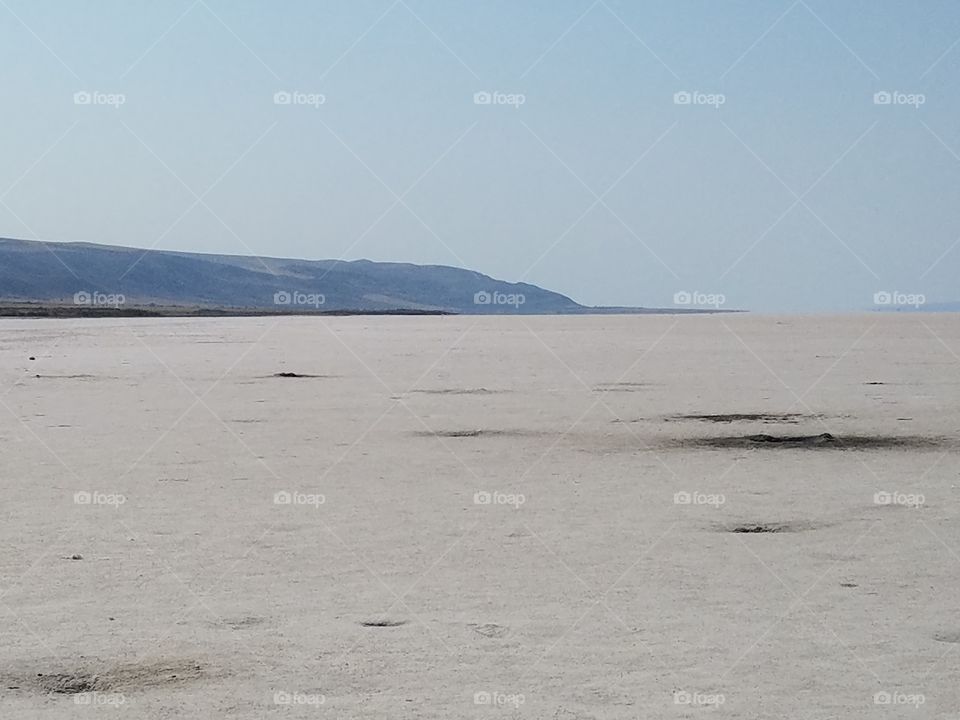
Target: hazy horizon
(789,156)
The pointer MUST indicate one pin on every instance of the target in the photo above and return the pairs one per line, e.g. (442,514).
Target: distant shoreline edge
(70,311)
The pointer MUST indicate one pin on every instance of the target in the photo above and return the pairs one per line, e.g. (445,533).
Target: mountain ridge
(84,273)
(59,271)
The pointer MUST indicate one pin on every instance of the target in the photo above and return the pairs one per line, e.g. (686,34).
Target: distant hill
(105,279)
(82,273)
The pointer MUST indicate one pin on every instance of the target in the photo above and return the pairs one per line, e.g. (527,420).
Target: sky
(774,155)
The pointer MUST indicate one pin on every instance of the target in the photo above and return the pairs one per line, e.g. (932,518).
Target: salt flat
(459,517)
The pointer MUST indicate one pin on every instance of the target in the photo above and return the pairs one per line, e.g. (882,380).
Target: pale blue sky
(799,193)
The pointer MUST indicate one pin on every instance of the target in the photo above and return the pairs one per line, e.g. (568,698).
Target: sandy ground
(581,585)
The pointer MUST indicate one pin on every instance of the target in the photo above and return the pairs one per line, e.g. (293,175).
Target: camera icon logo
(82,98)
(482,98)
(282,98)
(82,498)
(682,98)
(882,98)
(682,498)
(882,298)
(482,298)
(481,698)
(282,298)
(882,698)
(82,298)
(682,298)
(482,498)
(282,498)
